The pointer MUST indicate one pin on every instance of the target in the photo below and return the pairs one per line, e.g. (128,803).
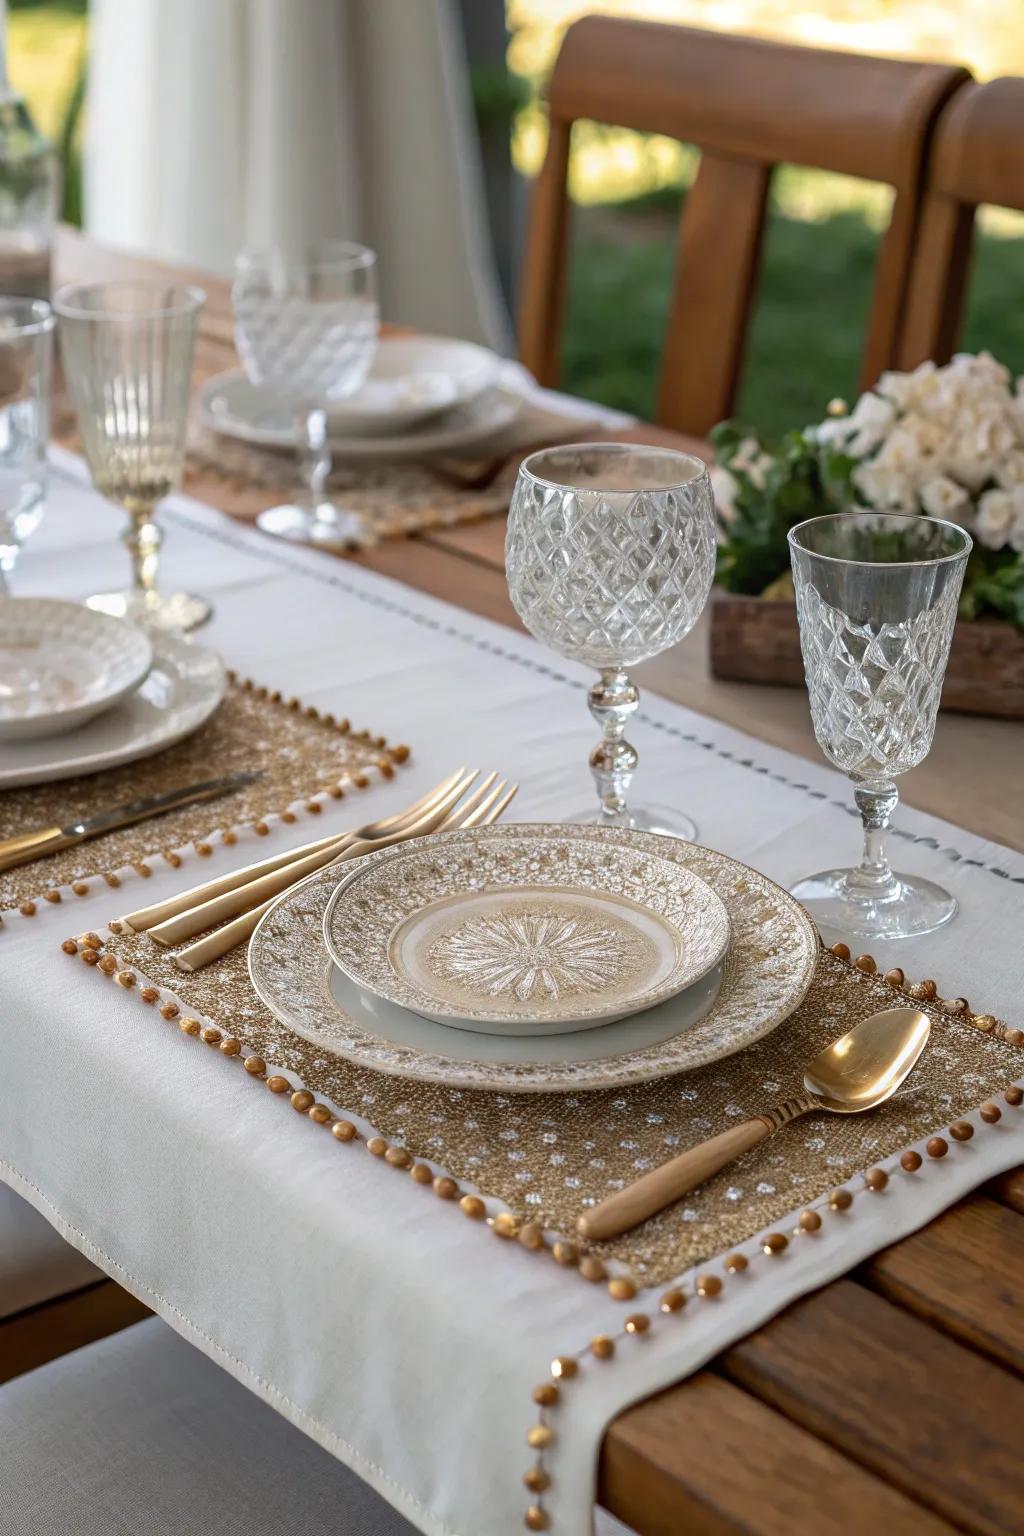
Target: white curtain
(214,124)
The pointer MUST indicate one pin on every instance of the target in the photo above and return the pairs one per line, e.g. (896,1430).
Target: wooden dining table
(891,1400)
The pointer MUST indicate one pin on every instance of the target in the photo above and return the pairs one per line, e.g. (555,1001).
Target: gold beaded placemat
(547,1157)
(300,753)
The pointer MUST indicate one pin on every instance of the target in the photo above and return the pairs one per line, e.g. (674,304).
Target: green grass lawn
(809,319)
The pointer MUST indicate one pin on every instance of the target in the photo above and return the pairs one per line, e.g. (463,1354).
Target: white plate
(764,976)
(61,664)
(523,930)
(185,684)
(412,379)
(229,404)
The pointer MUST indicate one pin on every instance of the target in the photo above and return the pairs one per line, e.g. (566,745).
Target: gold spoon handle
(659,1188)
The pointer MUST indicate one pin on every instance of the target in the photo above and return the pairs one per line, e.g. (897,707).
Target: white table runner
(387,1326)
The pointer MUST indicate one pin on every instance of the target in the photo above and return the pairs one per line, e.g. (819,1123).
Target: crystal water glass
(26,349)
(306,327)
(610,556)
(877,601)
(127,349)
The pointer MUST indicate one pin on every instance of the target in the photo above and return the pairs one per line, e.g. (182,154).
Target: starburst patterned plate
(524,929)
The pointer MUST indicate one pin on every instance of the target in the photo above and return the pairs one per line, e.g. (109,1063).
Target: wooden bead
(52,897)
(255,1064)
(536,1519)
(990,1113)
(421,1173)
(445,1188)
(537,1480)
(473,1207)
(911,1161)
(278,1084)
(398,1157)
(1014,1037)
(547,1394)
(564,1367)
(91,957)
(621,1288)
(303,1100)
(171,1011)
(841,951)
(231,1046)
(983,1021)
(672,1301)
(708,1286)
(637,1322)
(376,1146)
(866,963)
(566,1253)
(937,1147)
(81,889)
(810,1221)
(531,1235)
(108,964)
(344,1130)
(204,850)
(592,1268)
(149,994)
(189,1026)
(69,947)
(318,1113)
(125,979)
(775,1243)
(895,977)
(602,1347)
(1014,1096)
(961,1130)
(876,1179)
(505,1225)
(540,1436)
(840,1199)
(209,1035)
(92,940)
(736,1263)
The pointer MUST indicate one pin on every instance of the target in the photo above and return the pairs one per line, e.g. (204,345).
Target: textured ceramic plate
(521,930)
(61,664)
(763,977)
(183,688)
(252,413)
(414,378)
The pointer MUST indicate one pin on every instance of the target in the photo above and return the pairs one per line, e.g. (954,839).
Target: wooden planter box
(754,640)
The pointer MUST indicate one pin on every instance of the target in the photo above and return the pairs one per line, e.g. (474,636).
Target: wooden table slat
(713,1461)
(921,1411)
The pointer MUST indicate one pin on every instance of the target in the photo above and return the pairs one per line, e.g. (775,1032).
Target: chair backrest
(977,156)
(748,105)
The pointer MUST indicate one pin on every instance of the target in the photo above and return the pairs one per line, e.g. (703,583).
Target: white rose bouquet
(944,442)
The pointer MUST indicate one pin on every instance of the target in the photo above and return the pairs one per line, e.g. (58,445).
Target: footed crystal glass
(610,556)
(877,600)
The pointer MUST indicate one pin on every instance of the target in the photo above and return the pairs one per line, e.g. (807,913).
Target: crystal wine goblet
(877,600)
(26,347)
(127,349)
(306,327)
(610,556)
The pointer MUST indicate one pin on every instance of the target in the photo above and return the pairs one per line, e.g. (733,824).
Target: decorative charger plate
(516,929)
(764,975)
(61,664)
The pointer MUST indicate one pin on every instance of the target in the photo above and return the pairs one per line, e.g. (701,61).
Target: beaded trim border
(310,804)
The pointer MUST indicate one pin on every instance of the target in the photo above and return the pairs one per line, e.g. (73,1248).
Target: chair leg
(56,1327)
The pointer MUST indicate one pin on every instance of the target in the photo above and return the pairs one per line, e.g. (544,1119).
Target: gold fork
(148,918)
(489,801)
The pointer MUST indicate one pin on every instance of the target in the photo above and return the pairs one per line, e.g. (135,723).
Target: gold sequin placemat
(548,1157)
(301,754)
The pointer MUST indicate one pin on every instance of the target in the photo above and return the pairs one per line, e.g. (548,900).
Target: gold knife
(26,846)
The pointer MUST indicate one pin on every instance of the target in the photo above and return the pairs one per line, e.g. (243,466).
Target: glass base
(915,906)
(330,527)
(152,610)
(642,818)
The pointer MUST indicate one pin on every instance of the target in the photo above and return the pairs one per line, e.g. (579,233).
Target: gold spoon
(859,1070)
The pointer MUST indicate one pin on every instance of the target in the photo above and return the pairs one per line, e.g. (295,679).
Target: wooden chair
(749,106)
(977,157)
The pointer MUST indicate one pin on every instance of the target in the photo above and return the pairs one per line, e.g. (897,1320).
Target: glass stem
(318,464)
(613,761)
(874,880)
(142,540)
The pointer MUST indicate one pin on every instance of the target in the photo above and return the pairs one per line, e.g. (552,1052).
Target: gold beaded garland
(895,977)
(961,1130)
(536,1518)
(536,1479)
(592,1268)
(189,1026)
(69,947)
(775,1243)
(866,964)
(445,1188)
(318,1113)
(637,1323)
(398,1157)
(421,1173)
(736,1263)
(376,1146)
(810,1221)
(531,1235)
(540,1436)
(841,951)
(505,1225)
(473,1206)
(876,1179)
(840,1200)
(547,1394)
(278,1084)
(602,1347)
(564,1367)
(566,1253)
(1014,1037)
(344,1130)
(984,1021)
(911,1161)
(990,1113)
(621,1288)
(231,1046)
(256,1065)
(937,1147)
(1014,1096)
(708,1286)
(672,1301)
(302,1100)
(91,957)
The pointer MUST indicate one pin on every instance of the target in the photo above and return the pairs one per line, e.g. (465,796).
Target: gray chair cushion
(36,1264)
(141,1435)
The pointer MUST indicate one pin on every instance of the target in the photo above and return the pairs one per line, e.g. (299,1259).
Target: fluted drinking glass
(306,326)
(877,600)
(127,350)
(26,345)
(610,556)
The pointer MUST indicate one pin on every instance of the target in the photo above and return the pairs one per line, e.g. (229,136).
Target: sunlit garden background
(629,188)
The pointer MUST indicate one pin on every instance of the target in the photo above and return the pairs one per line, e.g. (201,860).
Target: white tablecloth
(387,1326)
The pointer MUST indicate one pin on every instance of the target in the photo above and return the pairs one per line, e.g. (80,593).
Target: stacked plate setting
(535,958)
(81,691)
(425,395)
